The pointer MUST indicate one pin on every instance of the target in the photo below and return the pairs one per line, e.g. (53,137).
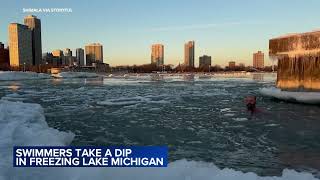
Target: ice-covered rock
(301,97)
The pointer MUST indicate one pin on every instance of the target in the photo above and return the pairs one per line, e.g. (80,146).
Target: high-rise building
(4,56)
(157,54)
(258,60)
(232,65)
(204,61)
(58,54)
(67,60)
(189,54)
(67,52)
(49,59)
(20,45)
(94,53)
(35,25)
(80,56)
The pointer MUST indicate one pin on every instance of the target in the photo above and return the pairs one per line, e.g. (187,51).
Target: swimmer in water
(251,104)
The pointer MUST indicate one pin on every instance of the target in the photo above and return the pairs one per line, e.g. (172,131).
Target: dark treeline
(146,68)
(149,68)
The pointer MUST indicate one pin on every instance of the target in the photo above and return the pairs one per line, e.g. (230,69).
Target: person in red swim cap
(251,102)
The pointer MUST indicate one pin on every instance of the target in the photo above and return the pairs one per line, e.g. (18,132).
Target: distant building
(34,25)
(242,65)
(258,60)
(58,54)
(49,59)
(80,56)
(157,54)
(67,60)
(4,56)
(94,53)
(67,52)
(204,61)
(232,65)
(20,45)
(189,54)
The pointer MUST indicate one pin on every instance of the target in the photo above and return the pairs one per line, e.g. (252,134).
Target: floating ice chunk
(301,97)
(240,119)
(75,75)
(18,75)
(127,101)
(123,101)
(23,124)
(229,114)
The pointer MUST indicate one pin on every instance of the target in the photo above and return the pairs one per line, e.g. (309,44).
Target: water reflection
(14,87)
(258,77)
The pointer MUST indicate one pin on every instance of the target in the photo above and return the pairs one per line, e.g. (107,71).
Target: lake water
(199,119)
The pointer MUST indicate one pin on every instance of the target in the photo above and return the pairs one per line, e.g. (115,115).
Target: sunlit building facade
(258,60)
(58,55)
(94,53)
(157,54)
(20,45)
(189,54)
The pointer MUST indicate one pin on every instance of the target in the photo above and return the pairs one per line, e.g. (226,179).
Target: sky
(227,30)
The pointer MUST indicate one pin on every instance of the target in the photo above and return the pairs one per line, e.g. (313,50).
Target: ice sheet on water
(17,75)
(127,101)
(24,124)
(75,75)
(301,97)
(238,119)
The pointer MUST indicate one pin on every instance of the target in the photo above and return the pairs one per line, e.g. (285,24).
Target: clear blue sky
(225,29)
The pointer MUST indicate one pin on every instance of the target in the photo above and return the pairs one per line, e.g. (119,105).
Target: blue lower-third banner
(90,156)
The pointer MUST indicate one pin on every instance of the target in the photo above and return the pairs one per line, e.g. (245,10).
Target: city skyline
(226,31)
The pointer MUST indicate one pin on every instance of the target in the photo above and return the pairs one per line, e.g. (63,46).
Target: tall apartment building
(94,53)
(232,65)
(4,56)
(189,54)
(67,60)
(204,61)
(20,45)
(34,25)
(157,54)
(80,56)
(58,54)
(258,60)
